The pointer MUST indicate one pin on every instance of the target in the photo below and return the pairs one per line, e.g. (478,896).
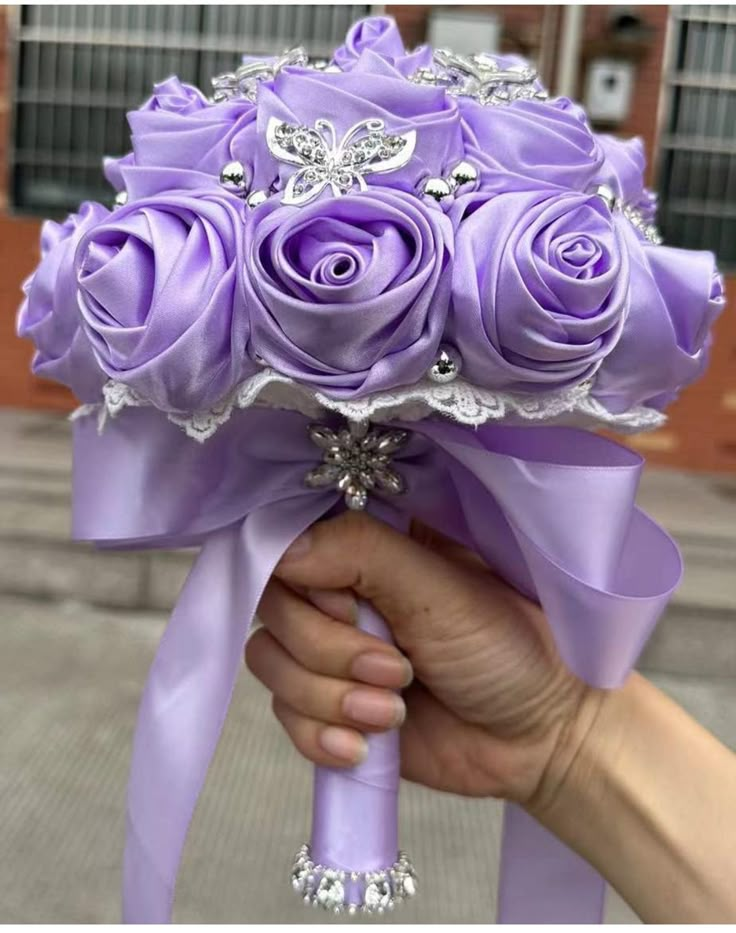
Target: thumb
(418,591)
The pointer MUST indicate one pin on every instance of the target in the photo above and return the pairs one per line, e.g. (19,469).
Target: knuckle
(254,649)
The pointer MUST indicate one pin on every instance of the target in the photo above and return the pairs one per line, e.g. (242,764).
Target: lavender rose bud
(676,295)
(623,171)
(161,297)
(531,143)
(349,294)
(169,96)
(540,288)
(49,315)
(181,140)
(380,35)
(174,96)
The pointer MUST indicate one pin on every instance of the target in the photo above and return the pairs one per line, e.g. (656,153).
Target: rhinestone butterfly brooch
(365,149)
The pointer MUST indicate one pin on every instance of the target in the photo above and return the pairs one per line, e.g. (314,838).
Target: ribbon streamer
(551,510)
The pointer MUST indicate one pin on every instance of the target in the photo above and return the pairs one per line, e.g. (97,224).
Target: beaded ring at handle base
(367,892)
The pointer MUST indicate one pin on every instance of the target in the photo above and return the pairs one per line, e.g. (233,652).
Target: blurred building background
(68,74)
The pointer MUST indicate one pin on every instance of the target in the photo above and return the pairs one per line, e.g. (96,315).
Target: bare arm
(648,797)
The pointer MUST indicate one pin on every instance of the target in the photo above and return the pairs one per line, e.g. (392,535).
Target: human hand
(490,701)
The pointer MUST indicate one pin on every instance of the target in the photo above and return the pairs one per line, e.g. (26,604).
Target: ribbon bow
(551,510)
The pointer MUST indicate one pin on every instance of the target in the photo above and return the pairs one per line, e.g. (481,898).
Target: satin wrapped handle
(353,861)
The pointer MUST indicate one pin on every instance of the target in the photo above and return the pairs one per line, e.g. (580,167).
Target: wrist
(576,768)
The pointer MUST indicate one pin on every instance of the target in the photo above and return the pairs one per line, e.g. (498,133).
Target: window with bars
(78,69)
(698,144)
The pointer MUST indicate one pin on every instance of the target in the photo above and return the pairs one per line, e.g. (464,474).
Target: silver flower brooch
(356,460)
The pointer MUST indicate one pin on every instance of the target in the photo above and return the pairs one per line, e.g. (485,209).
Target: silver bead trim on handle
(327,888)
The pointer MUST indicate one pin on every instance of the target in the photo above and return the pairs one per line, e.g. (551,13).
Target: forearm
(648,797)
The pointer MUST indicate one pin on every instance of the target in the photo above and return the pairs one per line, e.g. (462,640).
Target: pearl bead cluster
(327,887)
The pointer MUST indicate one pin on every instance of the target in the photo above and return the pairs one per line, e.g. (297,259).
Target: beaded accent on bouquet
(480,77)
(370,892)
(648,230)
(243,82)
(635,217)
(356,460)
(365,149)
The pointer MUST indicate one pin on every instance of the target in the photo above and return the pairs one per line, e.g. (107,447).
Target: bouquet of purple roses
(401,281)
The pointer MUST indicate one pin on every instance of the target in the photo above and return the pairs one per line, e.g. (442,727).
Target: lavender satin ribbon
(551,509)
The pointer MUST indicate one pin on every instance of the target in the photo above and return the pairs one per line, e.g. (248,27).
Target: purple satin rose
(372,89)
(623,171)
(112,169)
(49,315)
(194,136)
(161,297)
(676,295)
(174,96)
(381,35)
(349,293)
(169,96)
(529,143)
(540,288)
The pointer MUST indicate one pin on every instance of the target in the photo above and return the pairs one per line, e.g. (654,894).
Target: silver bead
(232,177)
(330,893)
(437,188)
(377,895)
(390,481)
(606,194)
(121,198)
(408,886)
(324,437)
(464,173)
(447,365)
(256,198)
(326,474)
(356,498)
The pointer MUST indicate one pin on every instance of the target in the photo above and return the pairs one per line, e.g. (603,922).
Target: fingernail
(339,604)
(298,548)
(373,708)
(382,669)
(343,744)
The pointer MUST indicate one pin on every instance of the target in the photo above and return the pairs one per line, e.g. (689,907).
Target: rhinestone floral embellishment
(356,460)
(480,77)
(366,149)
(637,220)
(243,83)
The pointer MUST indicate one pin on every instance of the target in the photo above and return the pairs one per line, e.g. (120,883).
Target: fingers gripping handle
(353,863)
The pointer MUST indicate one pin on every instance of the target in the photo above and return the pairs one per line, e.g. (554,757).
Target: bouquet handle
(353,862)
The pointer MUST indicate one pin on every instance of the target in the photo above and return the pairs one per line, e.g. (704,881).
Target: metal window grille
(78,69)
(698,145)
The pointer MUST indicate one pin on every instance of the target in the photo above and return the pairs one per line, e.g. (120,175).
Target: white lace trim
(458,400)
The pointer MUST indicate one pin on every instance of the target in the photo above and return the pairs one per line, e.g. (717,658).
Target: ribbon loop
(550,509)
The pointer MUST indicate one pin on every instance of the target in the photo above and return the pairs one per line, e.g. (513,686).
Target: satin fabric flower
(381,35)
(49,315)
(161,297)
(349,294)
(372,89)
(530,143)
(540,288)
(676,295)
(169,96)
(623,170)
(194,136)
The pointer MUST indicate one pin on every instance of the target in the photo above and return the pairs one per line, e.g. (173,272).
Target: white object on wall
(609,84)
(463,31)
